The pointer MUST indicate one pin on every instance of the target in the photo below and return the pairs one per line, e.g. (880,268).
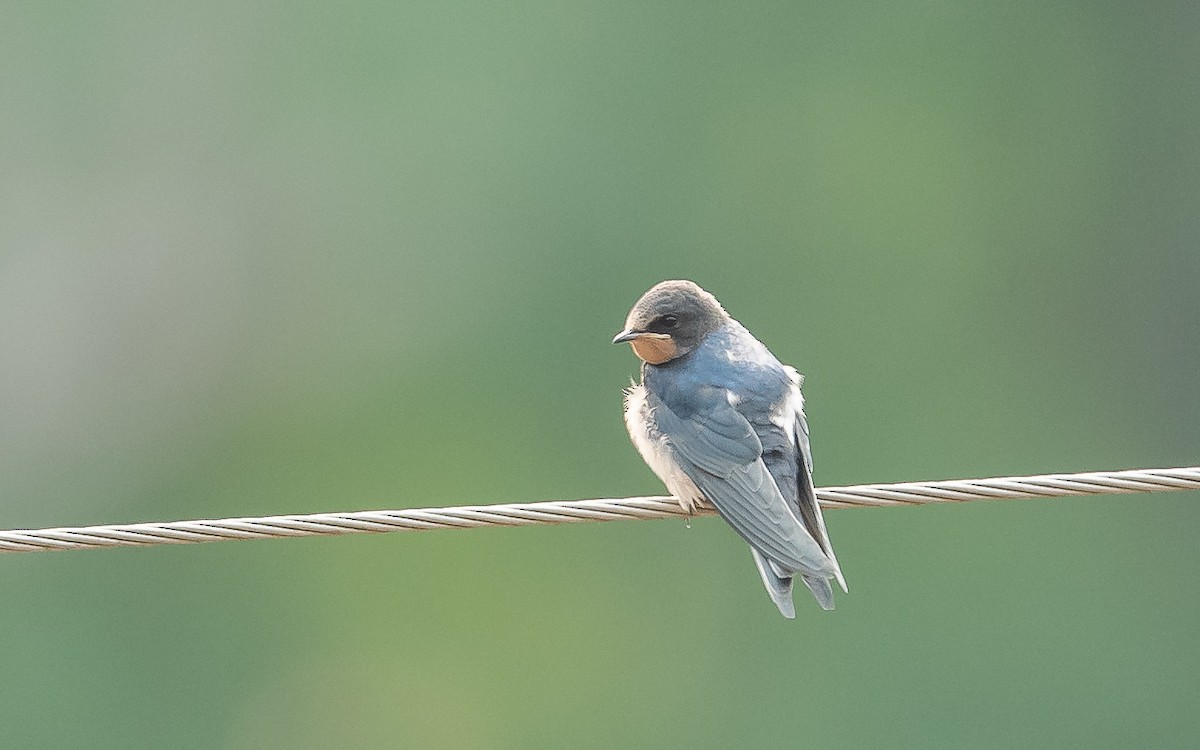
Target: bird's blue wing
(810,511)
(721,453)
(787,456)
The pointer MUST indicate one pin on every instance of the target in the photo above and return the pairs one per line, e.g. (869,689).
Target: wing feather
(810,510)
(719,450)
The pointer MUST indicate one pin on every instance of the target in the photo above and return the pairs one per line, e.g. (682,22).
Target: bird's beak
(631,335)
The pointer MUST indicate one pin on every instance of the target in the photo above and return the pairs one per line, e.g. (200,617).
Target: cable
(573,511)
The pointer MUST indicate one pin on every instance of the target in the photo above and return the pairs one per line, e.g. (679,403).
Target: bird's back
(767,394)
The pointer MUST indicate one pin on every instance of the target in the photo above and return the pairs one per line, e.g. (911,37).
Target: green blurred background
(263,258)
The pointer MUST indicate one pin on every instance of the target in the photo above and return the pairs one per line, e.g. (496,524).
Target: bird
(719,419)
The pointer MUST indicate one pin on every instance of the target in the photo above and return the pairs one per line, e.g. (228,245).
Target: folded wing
(719,450)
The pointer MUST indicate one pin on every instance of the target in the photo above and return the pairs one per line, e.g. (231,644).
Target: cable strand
(577,511)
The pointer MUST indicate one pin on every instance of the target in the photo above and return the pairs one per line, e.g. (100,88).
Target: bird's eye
(668,321)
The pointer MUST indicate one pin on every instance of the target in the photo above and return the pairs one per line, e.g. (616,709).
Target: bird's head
(670,321)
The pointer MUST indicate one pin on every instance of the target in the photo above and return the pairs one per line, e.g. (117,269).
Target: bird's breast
(653,447)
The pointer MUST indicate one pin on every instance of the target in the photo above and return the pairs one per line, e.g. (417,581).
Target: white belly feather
(639,420)
(788,412)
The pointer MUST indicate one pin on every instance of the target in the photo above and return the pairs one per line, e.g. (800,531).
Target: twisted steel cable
(574,511)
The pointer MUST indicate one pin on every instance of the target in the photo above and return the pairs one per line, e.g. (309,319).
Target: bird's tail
(779,586)
(821,590)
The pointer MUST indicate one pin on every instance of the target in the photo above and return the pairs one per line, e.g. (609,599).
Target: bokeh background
(263,258)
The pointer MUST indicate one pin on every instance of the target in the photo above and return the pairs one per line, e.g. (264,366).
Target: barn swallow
(719,419)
